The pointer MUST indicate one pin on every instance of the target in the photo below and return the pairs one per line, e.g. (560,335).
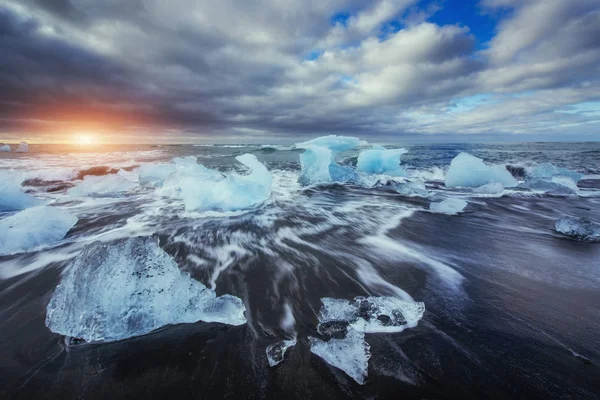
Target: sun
(85,139)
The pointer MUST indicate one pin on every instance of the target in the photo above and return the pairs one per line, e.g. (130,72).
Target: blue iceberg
(13,199)
(118,291)
(4,148)
(547,171)
(318,160)
(381,161)
(449,206)
(469,171)
(582,229)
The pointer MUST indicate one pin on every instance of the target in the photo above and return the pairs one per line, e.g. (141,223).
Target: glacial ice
(4,148)
(381,161)
(449,206)
(318,160)
(558,186)
(103,186)
(345,323)
(117,291)
(22,148)
(13,199)
(155,174)
(276,351)
(205,189)
(490,188)
(547,171)
(351,354)
(412,189)
(578,228)
(469,171)
(34,227)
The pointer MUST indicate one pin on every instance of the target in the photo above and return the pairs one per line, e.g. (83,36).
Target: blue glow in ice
(469,171)
(381,161)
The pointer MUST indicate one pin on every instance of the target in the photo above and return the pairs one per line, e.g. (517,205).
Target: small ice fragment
(581,229)
(103,186)
(13,199)
(22,148)
(469,171)
(449,206)
(117,291)
(351,354)
(490,188)
(547,171)
(381,162)
(550,187)
(412,189)
(4,148)
(565,181)
(34,227)
(276,351)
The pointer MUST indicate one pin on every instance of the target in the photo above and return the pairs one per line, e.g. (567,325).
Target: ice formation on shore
(381,161)
(34,227)
(22,148)
(13,199)
(469,171)
(103,186)
(117,291)
(449,206)
(4,148)
(577,228)
(276,351)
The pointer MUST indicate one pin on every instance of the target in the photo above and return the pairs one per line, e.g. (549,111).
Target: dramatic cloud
(275,68)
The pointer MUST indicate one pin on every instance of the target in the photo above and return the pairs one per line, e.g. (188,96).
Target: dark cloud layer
(262,68)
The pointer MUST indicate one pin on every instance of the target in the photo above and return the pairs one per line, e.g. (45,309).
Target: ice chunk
(204,189)
(318,160)
(449,206)
(117,291)
(155,174)
(336,144)
(103,186)
(490,188)
(555,188)
(34,227)
(351,354)
(276,351)
(412,189)
(13,199)
(547,171)
(565,181)
(22,148)
(381,161)
(578,228)
(4,148)
(469,171)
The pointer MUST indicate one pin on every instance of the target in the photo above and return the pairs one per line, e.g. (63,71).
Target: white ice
(22,148)
(318,160)
(412,189)
(276,351)
(4,148)
(336,144)
(490,188)
(578,228)
(558,186)
(117,291)
(155,174)
(34,227)
(350,354)
(103,186)
(449,206)
(547,171)
(13,199)
(469,171)
(381,161)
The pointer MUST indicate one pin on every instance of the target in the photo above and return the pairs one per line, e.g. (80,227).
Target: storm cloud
(286,68)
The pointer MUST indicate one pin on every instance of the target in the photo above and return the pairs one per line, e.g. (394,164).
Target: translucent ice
(206,189)
(547,171)
(318,160)
(578,228)
(276,351)
(114,292)
(155,174)
(469,171)
(381,161)
(490,188)
(351,354)
(449,206)
(558,187)
(13,199)
(103,186)
(412,189)
(22,148)
(32,228)
(4,148)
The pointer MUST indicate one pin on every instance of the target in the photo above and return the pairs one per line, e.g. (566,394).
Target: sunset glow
(85,139)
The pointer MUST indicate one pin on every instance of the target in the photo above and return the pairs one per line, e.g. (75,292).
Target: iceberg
(449,206)
(351,354)
(155,174)
(103,186)
(381,161)
(276,351)
(563,186)
(34,227)
(4,148)
(469,171)
(117,291)
(22,148)
(318,160)
(205,189)
(581,229)
(13,199)
(547,171)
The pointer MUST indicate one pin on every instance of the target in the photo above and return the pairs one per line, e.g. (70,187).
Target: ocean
(511,307)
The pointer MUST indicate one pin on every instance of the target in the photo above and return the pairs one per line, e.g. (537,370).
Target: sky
(283,70)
